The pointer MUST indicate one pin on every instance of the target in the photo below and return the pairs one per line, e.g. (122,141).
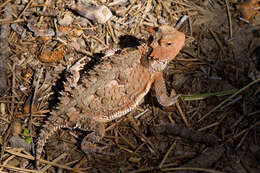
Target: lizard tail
(47,131)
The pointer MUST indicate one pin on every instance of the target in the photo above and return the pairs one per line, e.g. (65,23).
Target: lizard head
(166,44)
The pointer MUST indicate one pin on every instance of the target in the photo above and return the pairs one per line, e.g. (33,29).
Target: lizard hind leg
(88,144)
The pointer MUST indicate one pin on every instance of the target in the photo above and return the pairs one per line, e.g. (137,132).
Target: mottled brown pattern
(113,88)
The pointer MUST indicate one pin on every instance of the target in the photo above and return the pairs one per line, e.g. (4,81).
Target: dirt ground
(215,125)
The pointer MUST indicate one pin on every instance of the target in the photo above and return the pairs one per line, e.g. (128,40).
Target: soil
(214,127)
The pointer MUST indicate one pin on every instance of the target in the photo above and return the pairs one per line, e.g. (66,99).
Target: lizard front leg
(161,92)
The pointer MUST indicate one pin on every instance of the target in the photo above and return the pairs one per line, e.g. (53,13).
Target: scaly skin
(113,88)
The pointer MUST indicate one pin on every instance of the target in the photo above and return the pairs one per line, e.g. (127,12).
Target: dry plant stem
(31,110)
(129,9)
(205,159)
(166,155)
(180,110)
(4,21)
(5,140)
(244,20)
(111,31)
(44,9)
(245,130)
(242,140)
(232,102)
(245,166)
(4,3)
(190,26)
(209,126)
(127,141)
(55,160)
(79,164)
(229,19)
(166,9)
(229,98)
(196,136)
(147,8)
(13,168)
(13,90)
(41,160)
(7,160)
(217,40)
(26,7)
(182,20)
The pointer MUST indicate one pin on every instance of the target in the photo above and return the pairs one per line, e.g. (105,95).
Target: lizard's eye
(169,43)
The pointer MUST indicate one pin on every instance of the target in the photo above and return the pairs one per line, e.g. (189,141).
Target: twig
(25,8)
(4,3)
(111,31)
(78,165)
(55,160)
(245,130)
(166,9)
(41,160)
(147,8)
(232,102)
(181,21)
(31,110)
(229,20)
(166,155)
(19,169)
(44,9)
(229,98)
(173,93)
(196,136)
(217,40)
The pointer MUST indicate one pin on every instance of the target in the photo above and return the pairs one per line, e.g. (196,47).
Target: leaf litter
(219,65)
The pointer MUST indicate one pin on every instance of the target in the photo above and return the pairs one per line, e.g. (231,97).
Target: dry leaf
(16,128)
(67,30)
(52,56)
(27,105)
(248,9)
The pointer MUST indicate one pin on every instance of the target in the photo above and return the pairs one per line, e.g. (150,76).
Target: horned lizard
(113,88)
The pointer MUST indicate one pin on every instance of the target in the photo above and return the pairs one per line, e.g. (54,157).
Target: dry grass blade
(229,19)
(229,98)
(41,160)
(180,110)
(55,160)
(166,155)
(31,111)
(146,10)
(219,56)
(4,3)
(25,8)
(13,168)
(207,95)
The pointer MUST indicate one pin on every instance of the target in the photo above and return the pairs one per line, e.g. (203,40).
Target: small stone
(99,14)
(66,20)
